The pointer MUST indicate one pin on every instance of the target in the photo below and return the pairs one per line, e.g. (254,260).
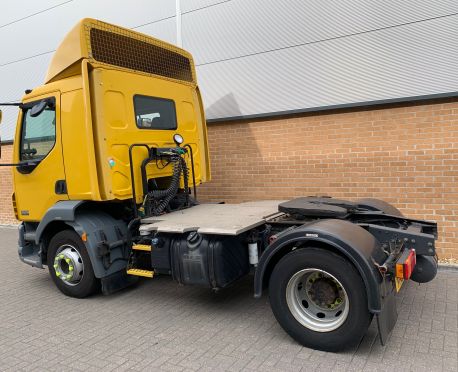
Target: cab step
(141,247)
(140,272)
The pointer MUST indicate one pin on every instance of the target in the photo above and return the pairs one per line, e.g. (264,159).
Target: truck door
(40,182)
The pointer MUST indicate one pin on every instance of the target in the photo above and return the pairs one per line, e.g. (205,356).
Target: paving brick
(161,326)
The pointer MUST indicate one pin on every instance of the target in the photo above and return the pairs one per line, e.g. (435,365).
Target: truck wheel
(70,266)
(319,299)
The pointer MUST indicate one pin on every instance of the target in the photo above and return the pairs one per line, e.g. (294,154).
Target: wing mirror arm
(23,164)
(18,104)
(24,167)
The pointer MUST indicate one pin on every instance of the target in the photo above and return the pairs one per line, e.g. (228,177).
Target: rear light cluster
(405,264)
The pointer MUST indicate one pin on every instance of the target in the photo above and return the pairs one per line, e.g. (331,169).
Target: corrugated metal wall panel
(27,45)
(164,30)
(193,5)
(417,59)
(43,33)
(257,57)
(238,28)
(26,74)
(14,79)
(14,13)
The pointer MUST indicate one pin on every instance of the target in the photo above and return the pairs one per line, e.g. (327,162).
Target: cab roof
(108,44)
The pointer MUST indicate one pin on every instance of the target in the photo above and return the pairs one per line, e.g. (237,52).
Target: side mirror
(26,167)
(38,108)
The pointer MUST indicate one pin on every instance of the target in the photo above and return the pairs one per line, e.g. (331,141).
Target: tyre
(319,299)
(70,266)
(379,205)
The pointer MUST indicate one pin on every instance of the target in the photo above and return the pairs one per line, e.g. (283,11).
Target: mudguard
(107,238)
(107,241)
(62,211)
(352,241)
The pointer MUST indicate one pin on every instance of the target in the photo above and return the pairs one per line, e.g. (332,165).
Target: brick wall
(404,154)
(6,188)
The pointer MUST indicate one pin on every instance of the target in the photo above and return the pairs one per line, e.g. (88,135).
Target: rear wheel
(70,266)
(319,299)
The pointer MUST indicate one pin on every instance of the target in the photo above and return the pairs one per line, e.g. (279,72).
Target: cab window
(155,113)
(38,134)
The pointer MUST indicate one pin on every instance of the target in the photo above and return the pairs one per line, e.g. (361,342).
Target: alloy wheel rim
(68,265)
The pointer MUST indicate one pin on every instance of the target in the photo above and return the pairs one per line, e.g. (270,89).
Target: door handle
(60,187)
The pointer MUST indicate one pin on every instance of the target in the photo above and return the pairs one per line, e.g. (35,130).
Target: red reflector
(409,264)
(405,264)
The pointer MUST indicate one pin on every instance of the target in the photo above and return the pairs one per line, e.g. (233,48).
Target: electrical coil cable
(157,201)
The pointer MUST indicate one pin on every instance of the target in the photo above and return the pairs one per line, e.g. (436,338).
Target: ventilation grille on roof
(128,52)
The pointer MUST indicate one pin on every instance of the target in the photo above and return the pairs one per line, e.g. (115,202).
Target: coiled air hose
(156,201)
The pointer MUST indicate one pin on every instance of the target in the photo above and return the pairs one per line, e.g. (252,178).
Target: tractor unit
(108,157)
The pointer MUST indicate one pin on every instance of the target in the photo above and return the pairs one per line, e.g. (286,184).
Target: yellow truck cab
(106,87)
(108,156)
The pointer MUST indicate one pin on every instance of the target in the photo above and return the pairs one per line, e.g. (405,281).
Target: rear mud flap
(387,318)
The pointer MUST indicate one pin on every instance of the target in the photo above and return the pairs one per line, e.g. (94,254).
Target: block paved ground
(159,325)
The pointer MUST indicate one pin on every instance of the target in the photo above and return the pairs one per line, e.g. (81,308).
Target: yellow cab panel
(40,182)
(133,108)
(78,144)
(111,88)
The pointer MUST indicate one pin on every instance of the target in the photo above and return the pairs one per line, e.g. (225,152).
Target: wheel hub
(324,292)
(68,265)
(317,300)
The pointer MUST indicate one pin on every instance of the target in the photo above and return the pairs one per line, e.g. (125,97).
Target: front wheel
(70,266)
(319,299)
